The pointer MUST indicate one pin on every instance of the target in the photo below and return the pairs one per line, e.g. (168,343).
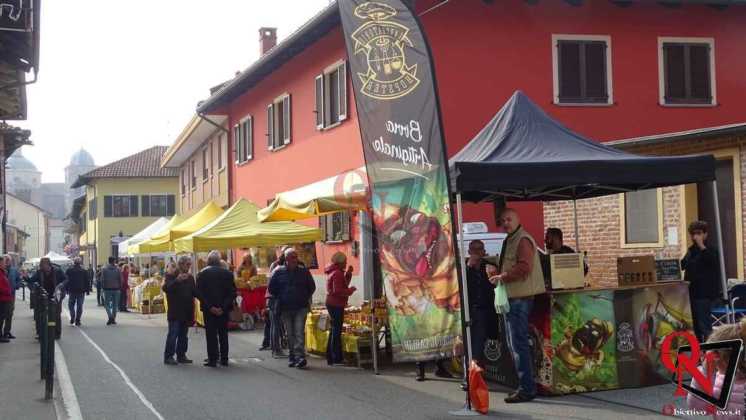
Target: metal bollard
(51,333)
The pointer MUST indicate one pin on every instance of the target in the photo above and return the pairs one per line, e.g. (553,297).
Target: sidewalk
(21,390)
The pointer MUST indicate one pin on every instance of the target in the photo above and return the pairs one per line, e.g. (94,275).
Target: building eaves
(699,133)
(144,164)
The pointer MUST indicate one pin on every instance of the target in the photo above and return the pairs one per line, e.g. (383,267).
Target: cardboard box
(638,270)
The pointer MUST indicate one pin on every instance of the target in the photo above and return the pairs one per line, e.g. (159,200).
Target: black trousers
(334,343)
(216,332)
(483,328)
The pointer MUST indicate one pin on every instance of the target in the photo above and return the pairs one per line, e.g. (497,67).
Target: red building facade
(638,58)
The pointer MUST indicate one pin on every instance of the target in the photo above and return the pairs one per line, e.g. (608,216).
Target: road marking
(126,378)
(69,400)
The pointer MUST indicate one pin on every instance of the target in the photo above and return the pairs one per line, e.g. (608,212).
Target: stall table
(597,338)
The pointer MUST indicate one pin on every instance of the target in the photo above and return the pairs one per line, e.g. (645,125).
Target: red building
(607,69)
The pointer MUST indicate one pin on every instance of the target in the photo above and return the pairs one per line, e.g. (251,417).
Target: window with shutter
(248,138)
(108,206)
(286,120)
(687,72)
(342,80)
(205,171)
(322,227)
(220,151)
(582,71)
(133,206)
(171,205)
(642,217)
(236,144)
(92,209)
(270,126)
(145,205)
(319,108)
(346,225)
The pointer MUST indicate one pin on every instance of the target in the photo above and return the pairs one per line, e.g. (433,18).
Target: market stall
(141,236)
(164,240)
(239,227)
(586,338)
(144,247)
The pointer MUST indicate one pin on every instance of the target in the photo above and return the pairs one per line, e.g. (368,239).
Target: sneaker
(114,322)
(4,340)
(210,364)
(292,363)
(519,398)
(10,336)
(109,322)
(301,364)
(263,348)
(170,361)
(77,323)
(72,321)
(420,377)
(224,363)
(184,360)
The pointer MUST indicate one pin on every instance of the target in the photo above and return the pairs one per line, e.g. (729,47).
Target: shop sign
(406,163)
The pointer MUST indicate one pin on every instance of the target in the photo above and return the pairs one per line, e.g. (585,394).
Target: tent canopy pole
(721,250)
(464,285)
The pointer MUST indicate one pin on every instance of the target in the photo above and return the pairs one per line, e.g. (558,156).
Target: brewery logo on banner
(406,164)
(625,339)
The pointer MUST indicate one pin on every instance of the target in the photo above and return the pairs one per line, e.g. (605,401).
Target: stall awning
(239,227)
(164,242)
(524,154)
(141,236)
(145,247)
(346,191)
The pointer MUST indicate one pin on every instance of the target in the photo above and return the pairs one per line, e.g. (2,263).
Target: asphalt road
(117,372)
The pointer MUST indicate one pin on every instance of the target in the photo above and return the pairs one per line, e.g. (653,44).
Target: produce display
(357,325)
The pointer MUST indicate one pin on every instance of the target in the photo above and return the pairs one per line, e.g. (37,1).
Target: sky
(119,76)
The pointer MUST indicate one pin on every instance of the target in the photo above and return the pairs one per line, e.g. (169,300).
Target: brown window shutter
(249,138)
(322,226)
(346,225)
(342,80)
(170,205)
(568,69)
(236,143)
(699,56)
(145,204)
(270,126)
(674,72)
(133,206)
(286,120)
(319,103)
(595,72)
(108,206)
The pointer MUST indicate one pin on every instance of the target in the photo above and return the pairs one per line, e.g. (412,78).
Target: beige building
(200,155)
(32,220)
(121,199)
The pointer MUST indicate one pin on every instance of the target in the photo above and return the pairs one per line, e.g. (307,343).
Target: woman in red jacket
(337,291)
(6,297)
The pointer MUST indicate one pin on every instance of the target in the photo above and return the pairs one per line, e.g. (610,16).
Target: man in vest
(520,271)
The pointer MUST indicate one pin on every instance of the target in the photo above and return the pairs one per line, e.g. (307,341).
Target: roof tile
(145,164)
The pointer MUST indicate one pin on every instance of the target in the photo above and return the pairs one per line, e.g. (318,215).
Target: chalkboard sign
(668,270)
(14,15)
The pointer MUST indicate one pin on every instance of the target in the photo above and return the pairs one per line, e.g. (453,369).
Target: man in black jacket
(180,291)
(78,285)
(49,277)
(217,292)
(702,266)
(293,286)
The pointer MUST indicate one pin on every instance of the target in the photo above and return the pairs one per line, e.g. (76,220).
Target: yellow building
(121,199)
(200,155)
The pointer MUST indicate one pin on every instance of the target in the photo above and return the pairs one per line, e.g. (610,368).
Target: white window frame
(277,143)
(343,98)
(555,67)
(623,224)
(662,71)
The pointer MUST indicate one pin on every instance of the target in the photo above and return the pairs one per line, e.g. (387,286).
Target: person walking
(124,296)
(481,301)
(338,290)
(111,283)
(78,286)
(14,279)
(99,296)
(701,266)
(217,292)
(293,286)
(520,271)
(180,291)
(50,277)
(6,295)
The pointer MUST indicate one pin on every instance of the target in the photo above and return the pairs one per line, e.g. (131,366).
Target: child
(735,407)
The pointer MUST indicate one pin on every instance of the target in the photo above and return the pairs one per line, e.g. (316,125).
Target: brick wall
(599,218)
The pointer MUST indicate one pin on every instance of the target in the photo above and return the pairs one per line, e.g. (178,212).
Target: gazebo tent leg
(465,295)
(721,251)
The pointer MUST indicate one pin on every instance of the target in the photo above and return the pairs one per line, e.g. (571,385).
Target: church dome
(82,158)
(18,162)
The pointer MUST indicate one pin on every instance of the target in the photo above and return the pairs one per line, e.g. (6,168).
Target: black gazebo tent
(523,154)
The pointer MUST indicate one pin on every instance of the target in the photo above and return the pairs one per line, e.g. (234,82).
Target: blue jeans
(111,303)
(295,325)
(701,309)
(75,305)
(334,342)
(176,341)
(518,333)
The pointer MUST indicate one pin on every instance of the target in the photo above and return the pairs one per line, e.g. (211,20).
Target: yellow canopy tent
(239,227)
(164,241)
(346,191)
(141,248)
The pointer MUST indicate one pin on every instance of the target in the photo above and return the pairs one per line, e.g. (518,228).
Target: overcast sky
(118,76)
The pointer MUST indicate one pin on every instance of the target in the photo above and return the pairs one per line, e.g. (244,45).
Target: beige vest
(533,284)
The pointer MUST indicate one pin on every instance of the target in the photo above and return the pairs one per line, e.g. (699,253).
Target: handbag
(502,306)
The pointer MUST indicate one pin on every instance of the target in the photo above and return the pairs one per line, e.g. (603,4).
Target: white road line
(126,378)
(71,408)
